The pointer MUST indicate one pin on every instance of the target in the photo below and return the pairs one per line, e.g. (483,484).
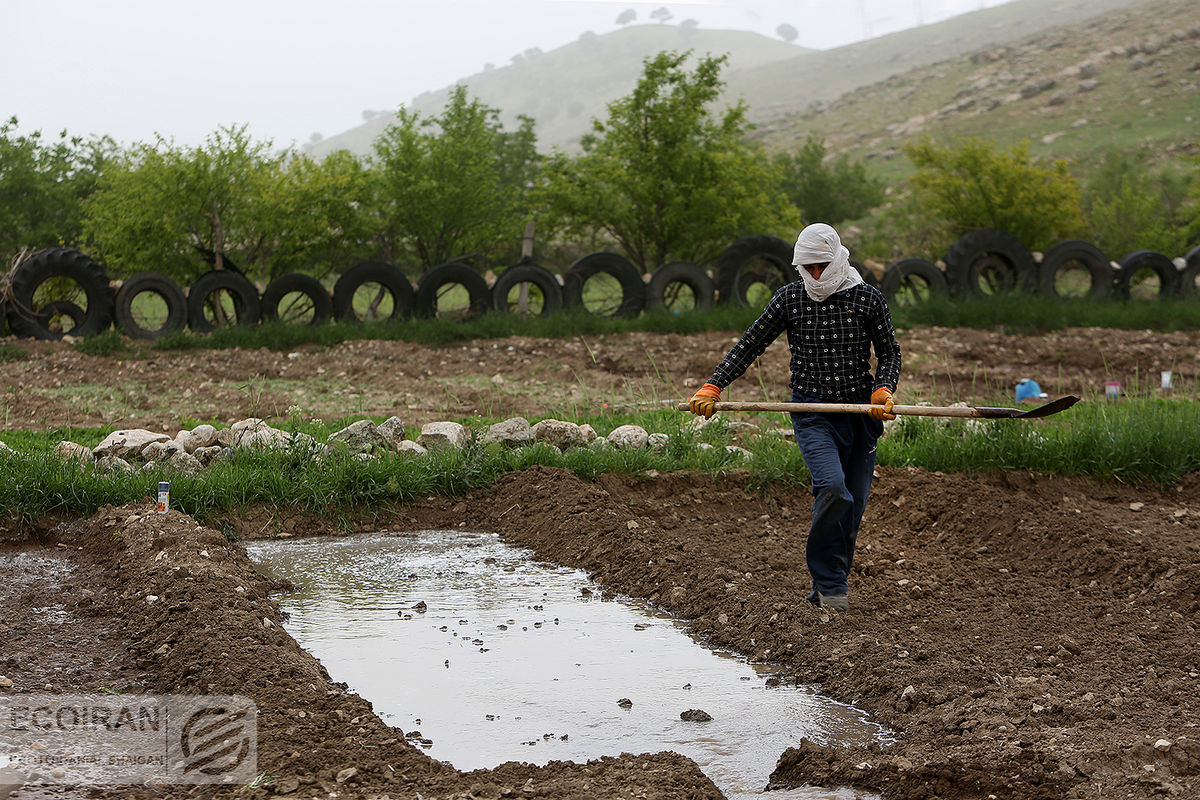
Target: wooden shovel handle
(845,408)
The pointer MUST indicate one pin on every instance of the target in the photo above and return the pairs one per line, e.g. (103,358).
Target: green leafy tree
(183,210)
(663,177)
(975,185)
(787,32)
(827,191)
(453,187)
(1133,207)
(42,188)
(160,205)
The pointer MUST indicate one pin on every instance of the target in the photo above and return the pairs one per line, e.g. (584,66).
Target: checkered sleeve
(887,348)
(757,338)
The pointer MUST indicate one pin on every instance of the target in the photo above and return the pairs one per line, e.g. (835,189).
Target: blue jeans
(839,450)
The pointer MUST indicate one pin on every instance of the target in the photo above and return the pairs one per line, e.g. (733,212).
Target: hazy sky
(289,68)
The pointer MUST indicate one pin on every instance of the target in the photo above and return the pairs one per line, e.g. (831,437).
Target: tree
(627,16)
(662,14)
(43,186)
(974,185)
(160,206)
(663,177)
(787,32)
(452,187)
(1132,207)
(827,191)
(689,26)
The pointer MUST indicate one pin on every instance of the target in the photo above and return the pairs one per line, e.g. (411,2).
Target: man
(832,319)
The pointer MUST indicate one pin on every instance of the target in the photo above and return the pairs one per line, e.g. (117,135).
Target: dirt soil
(1025,636)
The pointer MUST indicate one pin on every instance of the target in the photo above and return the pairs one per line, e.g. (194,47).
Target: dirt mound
(1024,636)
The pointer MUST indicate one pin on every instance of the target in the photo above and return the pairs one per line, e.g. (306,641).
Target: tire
(912,280)
(1169,279)
(33,272)
(867,275)
(388,277)
(987,262)
(154,283)
(316,295)
(1070,256)
(61,308)
(752,260)
(245,305)
(437,280)
(629,278)
(1190,277)
(663,289)
(538,277)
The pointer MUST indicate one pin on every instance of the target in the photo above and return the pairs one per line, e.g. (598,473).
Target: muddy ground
(1025,636)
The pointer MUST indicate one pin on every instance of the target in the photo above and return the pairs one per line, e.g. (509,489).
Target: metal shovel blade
(1053,407)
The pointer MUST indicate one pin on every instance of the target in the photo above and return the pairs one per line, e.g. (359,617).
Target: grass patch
(1151,440)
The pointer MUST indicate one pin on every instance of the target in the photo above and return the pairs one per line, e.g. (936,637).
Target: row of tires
(60,291)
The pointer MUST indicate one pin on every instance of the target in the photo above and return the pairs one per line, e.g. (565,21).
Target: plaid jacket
(830,343)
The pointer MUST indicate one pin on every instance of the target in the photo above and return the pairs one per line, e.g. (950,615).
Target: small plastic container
(164,497)
(1112,390)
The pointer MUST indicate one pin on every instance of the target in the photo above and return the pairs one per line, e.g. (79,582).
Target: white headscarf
(817,244)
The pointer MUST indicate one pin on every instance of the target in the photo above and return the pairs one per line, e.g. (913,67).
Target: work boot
(838,602)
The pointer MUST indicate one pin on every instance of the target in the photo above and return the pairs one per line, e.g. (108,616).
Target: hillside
(565,88)
(1125,79)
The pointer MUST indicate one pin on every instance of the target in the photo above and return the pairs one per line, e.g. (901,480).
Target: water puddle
(482,655)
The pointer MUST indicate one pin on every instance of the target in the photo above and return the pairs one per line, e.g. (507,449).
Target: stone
(346,774)
(69,451)
(203,436)
(265,437)
(161,451)
(658,442)
(589,433)
(360,437)
(562,435)
(185,462)
(514,432)
(628,437)
(206,455)
(1057,99)
(125,443)
(226,437)
(1036,87)
(599,444)
(184,440)
(443,435)
(113,464)
(409,448)
(392,431)
(741,452)
(625,703)
(695,715)
(5,683)
(243,428)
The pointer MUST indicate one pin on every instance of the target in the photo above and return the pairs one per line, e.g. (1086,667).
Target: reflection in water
(512,660)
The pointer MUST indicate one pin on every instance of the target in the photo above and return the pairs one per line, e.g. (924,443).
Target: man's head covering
(819,244)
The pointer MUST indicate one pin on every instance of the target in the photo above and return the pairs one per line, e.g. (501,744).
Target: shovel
(973,412)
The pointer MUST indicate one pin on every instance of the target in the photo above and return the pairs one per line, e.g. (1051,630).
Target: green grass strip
(1154,441)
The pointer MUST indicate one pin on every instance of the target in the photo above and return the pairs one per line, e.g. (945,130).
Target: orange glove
(882,397)
(703,403)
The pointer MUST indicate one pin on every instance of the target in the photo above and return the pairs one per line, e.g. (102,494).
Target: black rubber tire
(680,272)
(628,276)
(164,287)
(1189,279)
(64,308)
(451,274)
(982,253)
(1075,253)
(297,283)
(1169,278)
(31,273)
(542,278)
(907,271)
(246,304)
(867,275)
(750,260)
(387,276)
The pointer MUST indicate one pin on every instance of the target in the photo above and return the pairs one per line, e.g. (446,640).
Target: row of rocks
(203,445)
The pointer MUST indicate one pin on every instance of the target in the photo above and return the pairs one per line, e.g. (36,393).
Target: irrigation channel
(482,655)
